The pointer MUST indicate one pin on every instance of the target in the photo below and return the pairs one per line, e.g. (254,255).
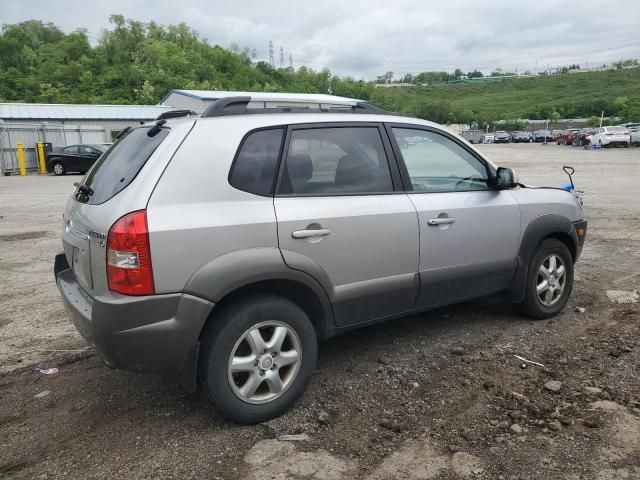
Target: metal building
(112,118)
(62,125)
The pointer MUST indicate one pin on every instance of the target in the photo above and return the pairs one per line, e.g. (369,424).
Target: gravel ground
(433,396)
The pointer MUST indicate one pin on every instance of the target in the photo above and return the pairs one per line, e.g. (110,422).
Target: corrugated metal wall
(30,134)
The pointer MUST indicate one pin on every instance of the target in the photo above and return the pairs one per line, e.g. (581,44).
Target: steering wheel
(467,179)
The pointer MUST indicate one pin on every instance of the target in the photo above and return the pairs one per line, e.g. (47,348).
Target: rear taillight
(129,256)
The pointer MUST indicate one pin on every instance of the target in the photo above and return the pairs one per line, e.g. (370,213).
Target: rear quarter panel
(195,215)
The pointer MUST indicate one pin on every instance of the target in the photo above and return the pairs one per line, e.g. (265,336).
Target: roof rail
(176,114)
(239,106)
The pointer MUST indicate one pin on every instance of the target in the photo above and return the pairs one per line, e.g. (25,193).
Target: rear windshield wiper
(153,131)
(82,188)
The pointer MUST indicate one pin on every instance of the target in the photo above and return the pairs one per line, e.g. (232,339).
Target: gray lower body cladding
(153,334)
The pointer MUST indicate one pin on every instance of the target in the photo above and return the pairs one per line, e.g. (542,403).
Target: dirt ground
(433,396)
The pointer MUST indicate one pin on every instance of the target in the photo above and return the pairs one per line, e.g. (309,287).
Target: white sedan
(611,136)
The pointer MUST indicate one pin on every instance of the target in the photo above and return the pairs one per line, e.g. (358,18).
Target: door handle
(321,232)
(440,221)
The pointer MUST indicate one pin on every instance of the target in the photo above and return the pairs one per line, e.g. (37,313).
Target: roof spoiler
(176,114)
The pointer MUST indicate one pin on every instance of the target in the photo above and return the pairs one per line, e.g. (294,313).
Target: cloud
(368,38)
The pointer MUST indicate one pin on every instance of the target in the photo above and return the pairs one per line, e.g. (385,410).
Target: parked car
(634,133)
(585,135)
(74,158)
(225,274)
(611,137)
(501,137)
(521,137)
(473,136)
(542,136)
(567,136)
(555,134)
(489,138)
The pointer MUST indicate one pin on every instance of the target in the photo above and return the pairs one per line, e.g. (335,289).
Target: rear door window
(120,164)
(336,161)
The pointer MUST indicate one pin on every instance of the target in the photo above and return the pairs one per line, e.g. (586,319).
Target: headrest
(299,167)
(353,170)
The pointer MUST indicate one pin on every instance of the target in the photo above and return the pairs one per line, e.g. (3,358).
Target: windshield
(119,165)
(616,129)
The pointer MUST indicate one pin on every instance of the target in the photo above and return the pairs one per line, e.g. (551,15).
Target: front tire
(58,169)
(257,358)
(549,281)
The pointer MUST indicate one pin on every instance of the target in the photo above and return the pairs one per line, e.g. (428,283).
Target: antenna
(271,60)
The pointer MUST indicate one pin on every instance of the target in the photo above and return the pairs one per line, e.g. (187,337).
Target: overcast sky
(368,38)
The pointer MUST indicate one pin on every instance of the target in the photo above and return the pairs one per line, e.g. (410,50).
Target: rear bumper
(157,333)
(616,141)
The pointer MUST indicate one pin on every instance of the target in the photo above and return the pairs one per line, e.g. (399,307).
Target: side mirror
(506,178)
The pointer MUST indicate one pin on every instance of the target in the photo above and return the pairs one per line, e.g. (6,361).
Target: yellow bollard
(21,164)
(43,168)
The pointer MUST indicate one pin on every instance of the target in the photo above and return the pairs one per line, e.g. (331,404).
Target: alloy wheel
(264,362)
(551,280)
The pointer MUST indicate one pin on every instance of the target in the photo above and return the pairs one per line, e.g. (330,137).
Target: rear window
(120,164)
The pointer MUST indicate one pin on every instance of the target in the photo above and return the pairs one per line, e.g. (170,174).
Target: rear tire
(239,374)
(58,169)
(547,287)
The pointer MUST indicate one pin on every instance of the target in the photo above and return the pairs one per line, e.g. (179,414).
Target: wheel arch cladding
(539,229)
(261,270)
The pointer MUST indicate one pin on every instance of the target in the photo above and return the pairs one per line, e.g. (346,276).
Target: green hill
(137,63)
(617,92)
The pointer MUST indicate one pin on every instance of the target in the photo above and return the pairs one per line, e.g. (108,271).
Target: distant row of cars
(620,135)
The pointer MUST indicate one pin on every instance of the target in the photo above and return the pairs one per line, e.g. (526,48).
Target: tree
(386,78)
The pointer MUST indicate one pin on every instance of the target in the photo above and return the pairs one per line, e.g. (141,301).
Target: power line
(271,61)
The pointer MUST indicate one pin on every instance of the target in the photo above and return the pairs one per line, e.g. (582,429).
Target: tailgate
(77,248)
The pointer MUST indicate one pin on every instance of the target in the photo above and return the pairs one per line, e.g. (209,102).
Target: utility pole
(271,60)
(281,57)
(290,61)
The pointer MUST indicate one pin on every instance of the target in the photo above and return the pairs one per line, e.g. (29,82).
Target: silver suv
(219,249)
